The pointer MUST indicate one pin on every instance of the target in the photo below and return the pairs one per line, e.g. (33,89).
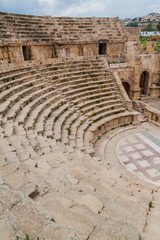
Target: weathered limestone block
(36,222)
(19,213)
(64,216)
(92,202)
(116,231)
(9,228)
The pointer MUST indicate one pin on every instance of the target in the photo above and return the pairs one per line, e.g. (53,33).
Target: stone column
(136,89)
(150,47)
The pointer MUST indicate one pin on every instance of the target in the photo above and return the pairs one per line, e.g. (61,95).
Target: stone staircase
(139,106)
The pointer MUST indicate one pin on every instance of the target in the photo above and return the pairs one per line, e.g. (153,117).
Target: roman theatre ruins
(79,130)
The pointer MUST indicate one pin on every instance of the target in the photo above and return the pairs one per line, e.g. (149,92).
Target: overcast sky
(82,8)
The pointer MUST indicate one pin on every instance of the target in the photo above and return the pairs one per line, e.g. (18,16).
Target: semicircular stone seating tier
(49,114)
(62,101)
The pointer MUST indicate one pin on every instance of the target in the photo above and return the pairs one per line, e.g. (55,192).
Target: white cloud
(154,7)
(47,7)
(84,7)
(47,2)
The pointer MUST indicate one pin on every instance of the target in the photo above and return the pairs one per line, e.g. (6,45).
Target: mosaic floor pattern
(140,154)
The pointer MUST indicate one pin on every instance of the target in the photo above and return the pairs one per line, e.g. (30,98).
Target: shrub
(55,78)
(69,131)
(150,205)
(132,24)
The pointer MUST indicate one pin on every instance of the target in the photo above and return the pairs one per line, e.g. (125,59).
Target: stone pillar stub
(136,89)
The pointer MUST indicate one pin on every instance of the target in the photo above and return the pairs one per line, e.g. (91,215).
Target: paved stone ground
(153,102)
(140,154)
(149,135)
(136,149)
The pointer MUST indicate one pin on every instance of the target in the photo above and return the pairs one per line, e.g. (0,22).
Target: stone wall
(60,37)
(12,53)
(131,73)
(148,62)
(152,114)
(125,73)
(151,63)
(133,33)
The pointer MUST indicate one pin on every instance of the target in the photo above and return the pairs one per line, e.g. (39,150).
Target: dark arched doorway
(126,86)
(144,82)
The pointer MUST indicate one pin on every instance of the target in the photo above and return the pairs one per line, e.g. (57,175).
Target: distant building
(147,34)
(151,18)
(153,14)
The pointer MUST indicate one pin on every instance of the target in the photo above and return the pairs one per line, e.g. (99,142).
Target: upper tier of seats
(15,27)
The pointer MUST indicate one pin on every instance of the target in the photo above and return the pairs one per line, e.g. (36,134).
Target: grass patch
(69,131)
(96,120)
(150,206)
(157,46)
(92,98)
(55,78)
(27,238)
(143,42)
(124,125)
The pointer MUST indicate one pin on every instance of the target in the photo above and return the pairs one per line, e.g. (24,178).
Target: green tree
(132,24)
(158,26)
(149,28)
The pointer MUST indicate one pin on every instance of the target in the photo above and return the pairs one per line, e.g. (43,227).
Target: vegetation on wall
(158,26)
(132,24)
(143,41)
(149,28)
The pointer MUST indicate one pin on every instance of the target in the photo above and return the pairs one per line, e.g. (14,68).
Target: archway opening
(27,53)
(127,87)
(81,51)
(144,82)
(102,48)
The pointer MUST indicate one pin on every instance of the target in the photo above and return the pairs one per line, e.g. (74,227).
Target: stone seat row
(27,115)
(39,28)
(8,89)
(46,121)
(98,192)
(13,99)
(52,65)
(43,98)
(89,199)
(33,100)
(13,76)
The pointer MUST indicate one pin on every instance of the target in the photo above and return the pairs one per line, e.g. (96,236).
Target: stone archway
(144,82)
(127,87)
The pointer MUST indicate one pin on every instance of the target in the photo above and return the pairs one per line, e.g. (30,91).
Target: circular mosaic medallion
(140,154)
